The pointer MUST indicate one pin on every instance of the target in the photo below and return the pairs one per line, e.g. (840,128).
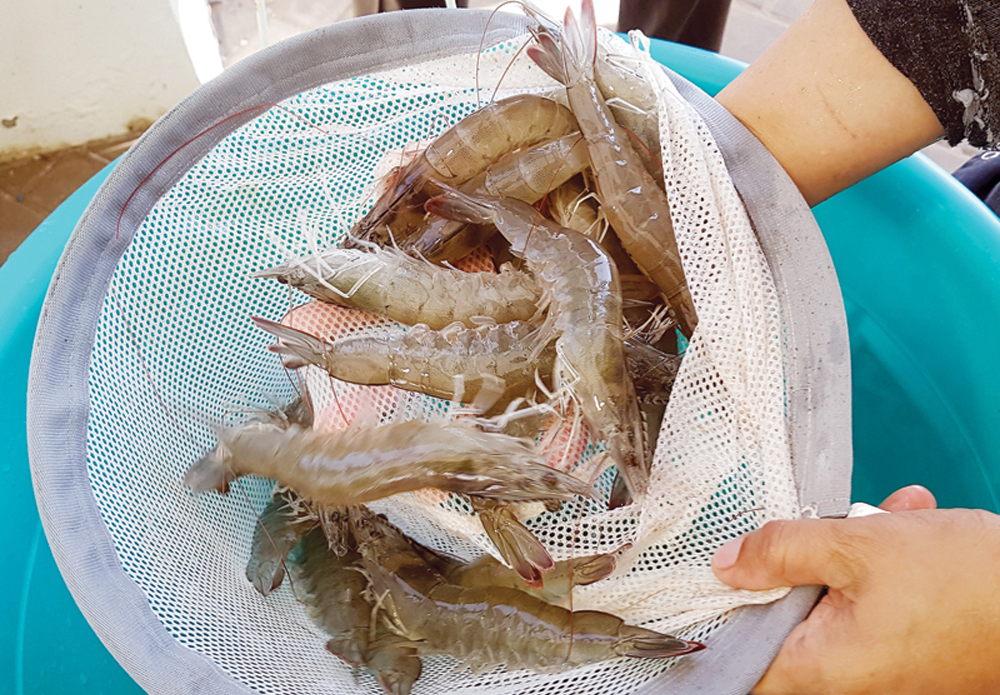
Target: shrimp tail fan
(297,348)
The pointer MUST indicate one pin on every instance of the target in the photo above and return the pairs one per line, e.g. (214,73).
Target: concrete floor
(30,189)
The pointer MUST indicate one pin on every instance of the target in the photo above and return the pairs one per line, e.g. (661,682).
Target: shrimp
(391,284)
(488,366)
(487,571)
(280,528)
(527,175)
(497,626)
(466,149)
(360,465)
(585,313)
(633,202)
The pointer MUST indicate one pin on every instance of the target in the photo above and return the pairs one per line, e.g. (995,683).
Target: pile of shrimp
(521,269)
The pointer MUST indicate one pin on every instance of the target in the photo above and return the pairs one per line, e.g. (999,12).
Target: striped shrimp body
(467,148)
(585,313)
(488,366)
(498,626)
(361,465)
(391,284)
(633,202)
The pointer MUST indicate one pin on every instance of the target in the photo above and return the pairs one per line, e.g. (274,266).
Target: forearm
(828,105)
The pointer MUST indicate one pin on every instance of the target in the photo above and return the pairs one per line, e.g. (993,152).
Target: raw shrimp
(488,366)
(391,284)
(279,529)
(633,202)
(359,465)
(466,149)
(498,626)
(585,313)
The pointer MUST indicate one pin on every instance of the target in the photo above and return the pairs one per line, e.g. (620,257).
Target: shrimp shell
(360,465)
(498,626)
(391,284)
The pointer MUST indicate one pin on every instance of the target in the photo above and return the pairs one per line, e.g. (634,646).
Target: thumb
(789,553)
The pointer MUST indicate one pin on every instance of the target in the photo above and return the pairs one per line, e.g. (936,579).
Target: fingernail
(726,556)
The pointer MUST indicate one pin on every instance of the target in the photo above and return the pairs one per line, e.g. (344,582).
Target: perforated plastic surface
(175,357)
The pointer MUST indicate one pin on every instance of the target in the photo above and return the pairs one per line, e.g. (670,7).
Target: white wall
(72,71)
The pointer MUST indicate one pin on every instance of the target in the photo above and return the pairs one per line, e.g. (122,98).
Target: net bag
(145,349)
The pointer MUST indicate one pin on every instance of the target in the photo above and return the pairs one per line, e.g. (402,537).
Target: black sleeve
(949,50)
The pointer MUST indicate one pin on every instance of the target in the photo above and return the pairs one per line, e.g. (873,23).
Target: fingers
(789,553)
(908,499)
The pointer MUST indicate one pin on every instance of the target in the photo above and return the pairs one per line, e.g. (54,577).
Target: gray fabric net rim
(817,363)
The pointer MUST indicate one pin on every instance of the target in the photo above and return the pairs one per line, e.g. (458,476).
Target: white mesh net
(176,356)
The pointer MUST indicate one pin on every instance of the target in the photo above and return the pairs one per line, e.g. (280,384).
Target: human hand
(913,604)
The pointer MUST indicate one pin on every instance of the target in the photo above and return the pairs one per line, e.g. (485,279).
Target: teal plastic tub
(918,259)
